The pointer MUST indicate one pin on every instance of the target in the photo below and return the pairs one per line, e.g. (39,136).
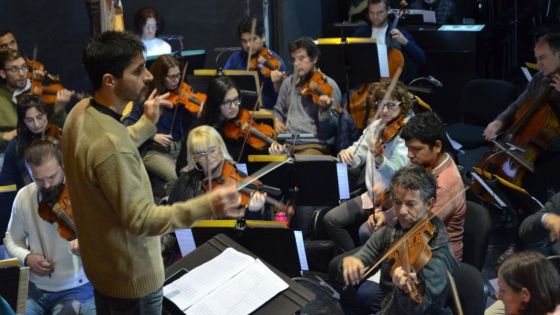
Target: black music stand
(287,302)
(272,241)
(247,82)
(349,61)
(195,59)
(311,180)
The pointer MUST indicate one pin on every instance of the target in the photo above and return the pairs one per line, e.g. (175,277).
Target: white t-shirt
(379,34)
(156,46)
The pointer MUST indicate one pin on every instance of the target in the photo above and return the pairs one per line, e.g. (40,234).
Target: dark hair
(110,53)
(531,270)
(425,127)
(142,15)
(414,177)
(159,70)
(5,31)
(217,90)
(553,41)
(307,44)
(387,5)
(8,56)
(40,151)
(24,135)
(246,24)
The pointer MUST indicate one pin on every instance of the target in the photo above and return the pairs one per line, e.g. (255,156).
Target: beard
(49,195)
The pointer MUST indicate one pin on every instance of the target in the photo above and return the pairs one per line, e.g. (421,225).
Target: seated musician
(528,285)
(414,193)
(38,74)
(206,157)
(159,154)
(388,154)
(149,24)
(58,284)
(238,60)
(424,136)
(543,227)
(380,27)
(547,54)
(32,124)
(297,114)
(13,71)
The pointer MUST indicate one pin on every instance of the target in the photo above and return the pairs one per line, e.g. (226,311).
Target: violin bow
(253,27)
(179,91)
(455,293)
(251,120)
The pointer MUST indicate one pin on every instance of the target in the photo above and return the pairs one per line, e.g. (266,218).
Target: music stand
(300,179)
(350,61)
(270,240)
(287,302)
(247,82)
(195,58)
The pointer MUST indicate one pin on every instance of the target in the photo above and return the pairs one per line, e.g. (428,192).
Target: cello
(358,108)
(534,128)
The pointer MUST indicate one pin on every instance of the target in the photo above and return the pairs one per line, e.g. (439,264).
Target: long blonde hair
(201,139)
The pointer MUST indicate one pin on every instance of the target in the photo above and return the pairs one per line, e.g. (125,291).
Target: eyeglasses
(201,154)
(14,70)
(390,105)
(8,45)
(232,103)
(150,26)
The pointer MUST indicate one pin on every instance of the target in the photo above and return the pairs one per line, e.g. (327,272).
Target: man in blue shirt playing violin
(271,79)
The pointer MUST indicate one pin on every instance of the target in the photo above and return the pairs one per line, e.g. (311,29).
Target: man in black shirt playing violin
(407,287)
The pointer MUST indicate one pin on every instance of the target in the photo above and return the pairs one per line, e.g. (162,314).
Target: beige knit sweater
(118,223)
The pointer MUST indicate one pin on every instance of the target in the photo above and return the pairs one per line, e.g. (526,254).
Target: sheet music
(343,186)
(230,283)
(300,245)
(185,239)
(383,60)
(200,281)
(242,294)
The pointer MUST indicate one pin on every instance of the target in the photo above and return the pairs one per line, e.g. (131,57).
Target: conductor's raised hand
(153,103)
(225,201)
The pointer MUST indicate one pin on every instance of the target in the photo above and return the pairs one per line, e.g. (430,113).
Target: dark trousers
(150,304)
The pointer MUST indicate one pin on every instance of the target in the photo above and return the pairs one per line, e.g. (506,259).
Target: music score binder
(287,302)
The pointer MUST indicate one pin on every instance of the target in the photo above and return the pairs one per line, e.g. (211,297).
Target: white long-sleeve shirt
(395,156)
(27,229)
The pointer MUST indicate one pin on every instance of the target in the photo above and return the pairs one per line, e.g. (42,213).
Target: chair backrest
(476,235)
(483,99)
(471,289)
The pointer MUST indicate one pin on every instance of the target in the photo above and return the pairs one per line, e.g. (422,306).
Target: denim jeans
(72,301)
(150,304)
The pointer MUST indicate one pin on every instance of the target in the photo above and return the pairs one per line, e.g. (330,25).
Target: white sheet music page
(383,60)
(200,281)
(242,294)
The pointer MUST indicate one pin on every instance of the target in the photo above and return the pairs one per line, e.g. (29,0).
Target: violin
(48,86)
(390,131)
(413,253)
(60,212)
(184,95)
(229,172)
(316,86)
(264,61)
(259,135)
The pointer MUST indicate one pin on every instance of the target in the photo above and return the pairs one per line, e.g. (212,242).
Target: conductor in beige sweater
(118,223)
